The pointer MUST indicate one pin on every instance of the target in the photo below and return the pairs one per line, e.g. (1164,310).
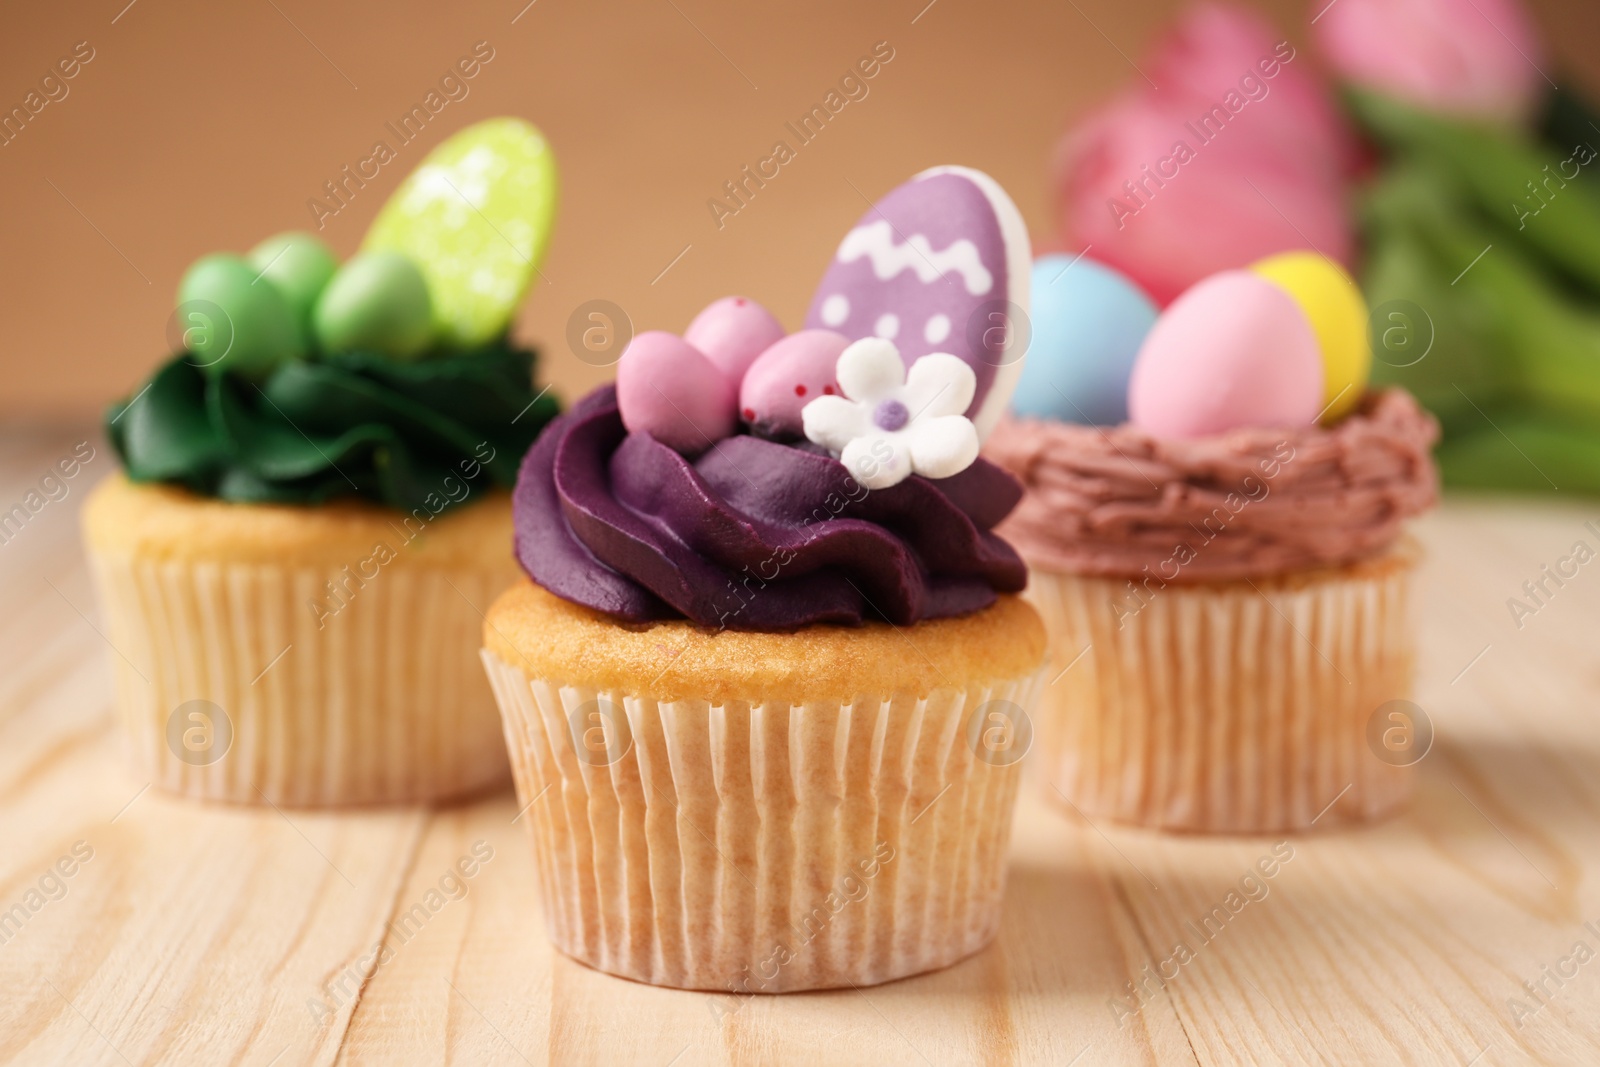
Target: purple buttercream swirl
(753,535)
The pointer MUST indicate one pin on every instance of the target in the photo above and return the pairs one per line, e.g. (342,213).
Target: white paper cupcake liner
(760,848)
(382,702)
(1225,708)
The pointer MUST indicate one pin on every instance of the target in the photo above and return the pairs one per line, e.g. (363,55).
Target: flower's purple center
(890,415)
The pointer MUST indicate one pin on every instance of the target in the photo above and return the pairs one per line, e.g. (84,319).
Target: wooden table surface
(187,933)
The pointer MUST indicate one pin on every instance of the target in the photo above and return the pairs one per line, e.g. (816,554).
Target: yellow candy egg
(1338,313)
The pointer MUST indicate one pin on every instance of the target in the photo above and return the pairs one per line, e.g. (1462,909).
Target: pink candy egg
(668,389)
(1233,350)
(732,332)
(788,376)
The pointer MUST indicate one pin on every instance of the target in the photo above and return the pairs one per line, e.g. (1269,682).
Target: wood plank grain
(188,933)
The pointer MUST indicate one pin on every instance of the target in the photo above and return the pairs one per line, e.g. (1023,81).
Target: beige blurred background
(201,127)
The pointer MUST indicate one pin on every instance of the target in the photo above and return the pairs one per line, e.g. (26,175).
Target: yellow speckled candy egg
(1333,302)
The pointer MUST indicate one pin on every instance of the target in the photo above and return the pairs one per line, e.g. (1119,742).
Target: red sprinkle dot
(738,301)
(749,415)
(828,389)
(799,390)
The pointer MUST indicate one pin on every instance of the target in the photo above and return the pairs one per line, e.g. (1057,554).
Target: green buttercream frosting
(406,435)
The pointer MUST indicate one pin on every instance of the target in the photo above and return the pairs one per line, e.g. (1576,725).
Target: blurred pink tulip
(1205,54)
(1237,153)
(1470,57)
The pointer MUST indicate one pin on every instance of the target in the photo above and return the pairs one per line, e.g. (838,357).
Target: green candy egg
(231,319)
(299,264)
(377,302)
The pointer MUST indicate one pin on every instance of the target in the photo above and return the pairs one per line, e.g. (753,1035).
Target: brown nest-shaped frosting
(1116,501)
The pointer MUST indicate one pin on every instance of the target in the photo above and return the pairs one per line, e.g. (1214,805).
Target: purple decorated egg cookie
(940,264)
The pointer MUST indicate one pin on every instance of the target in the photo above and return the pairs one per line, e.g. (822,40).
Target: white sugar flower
(890,424)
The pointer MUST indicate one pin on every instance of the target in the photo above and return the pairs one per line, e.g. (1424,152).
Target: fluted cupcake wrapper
(1227,708)
(380,700)
(761,848)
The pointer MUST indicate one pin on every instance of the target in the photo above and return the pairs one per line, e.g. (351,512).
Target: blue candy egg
(1088,323)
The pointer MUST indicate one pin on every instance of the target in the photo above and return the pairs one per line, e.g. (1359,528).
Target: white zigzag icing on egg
(876,241)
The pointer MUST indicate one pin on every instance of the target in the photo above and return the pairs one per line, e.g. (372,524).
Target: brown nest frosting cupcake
(1228,611)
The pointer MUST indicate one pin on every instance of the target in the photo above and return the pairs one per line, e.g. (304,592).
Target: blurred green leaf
(1512,449)
(1512,301)
(1515,184)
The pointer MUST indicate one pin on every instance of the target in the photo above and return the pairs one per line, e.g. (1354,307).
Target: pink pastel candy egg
(787,377)
(1233,350)
(732,332)
(669,390)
